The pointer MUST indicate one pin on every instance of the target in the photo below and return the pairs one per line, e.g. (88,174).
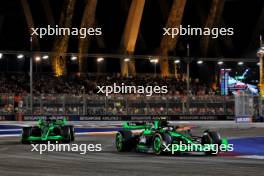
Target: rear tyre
(158,143)
(35,131)
(211,137)
(26,132)
(125,141)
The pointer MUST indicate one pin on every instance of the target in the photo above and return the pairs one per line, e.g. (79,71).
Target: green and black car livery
(48,130)
(159,137)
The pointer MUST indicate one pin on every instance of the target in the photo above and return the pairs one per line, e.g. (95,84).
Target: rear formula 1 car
(159,137)
(48,130)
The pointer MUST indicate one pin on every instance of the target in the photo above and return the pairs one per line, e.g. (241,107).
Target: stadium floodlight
(100,59)
(199,62)
(37,59)
(1,55)
(126,59)
(155,61)
(240,63)
(220,63)
(45,57)
(20,56)
(73,58)
(177,61)
(261,51)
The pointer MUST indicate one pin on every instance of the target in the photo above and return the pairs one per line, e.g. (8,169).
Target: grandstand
(59,74)
(77,95)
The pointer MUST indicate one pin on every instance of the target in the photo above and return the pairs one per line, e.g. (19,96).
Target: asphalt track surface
(17,159)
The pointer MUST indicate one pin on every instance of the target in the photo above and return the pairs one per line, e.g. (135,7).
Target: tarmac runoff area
(247,159)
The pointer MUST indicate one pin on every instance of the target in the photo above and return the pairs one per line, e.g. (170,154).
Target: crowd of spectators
(18,83)
(76,95)
(12,83)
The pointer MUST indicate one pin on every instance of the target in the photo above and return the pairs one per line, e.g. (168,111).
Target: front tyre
(66,134)
(212,138)
(71,131)
(157,144)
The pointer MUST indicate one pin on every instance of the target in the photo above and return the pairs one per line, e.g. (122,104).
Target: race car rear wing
(137,125)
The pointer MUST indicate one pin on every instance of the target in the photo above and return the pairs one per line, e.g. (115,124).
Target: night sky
(111,16)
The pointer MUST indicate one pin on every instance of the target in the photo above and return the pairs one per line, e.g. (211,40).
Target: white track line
(79,134)
(9,135)
(251,157)
(11,130)
(95,133)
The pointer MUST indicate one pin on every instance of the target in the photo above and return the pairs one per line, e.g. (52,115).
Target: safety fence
(117,105)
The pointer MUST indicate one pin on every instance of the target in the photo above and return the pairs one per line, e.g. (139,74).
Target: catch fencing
(118,105)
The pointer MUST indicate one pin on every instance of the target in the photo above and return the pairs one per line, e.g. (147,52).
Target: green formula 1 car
(48,130)
(159,137)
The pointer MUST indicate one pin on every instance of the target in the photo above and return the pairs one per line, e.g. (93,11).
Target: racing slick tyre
(66,134)
(158,141)
(72,132)
(211,137)
(35,131)
(125,141)
(26,132)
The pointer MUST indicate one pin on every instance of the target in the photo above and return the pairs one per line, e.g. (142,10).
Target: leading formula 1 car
(160,137)
(48,130)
